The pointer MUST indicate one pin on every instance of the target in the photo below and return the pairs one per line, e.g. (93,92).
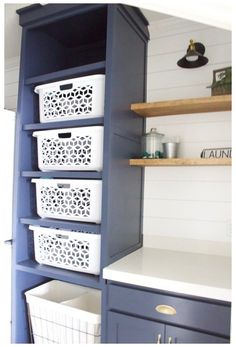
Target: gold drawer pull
(165,309)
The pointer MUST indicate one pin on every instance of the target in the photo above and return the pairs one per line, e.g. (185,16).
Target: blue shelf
(83,70)
(31,266)
(64,124)
(63,224)
(63,174)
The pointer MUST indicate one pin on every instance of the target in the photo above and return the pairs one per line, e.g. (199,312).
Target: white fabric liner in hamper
(66,313)
(70,149)
(76,98)
(78,251)
(69,199)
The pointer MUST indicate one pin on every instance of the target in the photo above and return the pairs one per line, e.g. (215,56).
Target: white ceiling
(13,30)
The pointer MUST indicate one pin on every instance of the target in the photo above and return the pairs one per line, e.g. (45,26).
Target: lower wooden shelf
(181,162)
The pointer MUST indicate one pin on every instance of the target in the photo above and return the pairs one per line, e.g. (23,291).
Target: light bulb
(192,58)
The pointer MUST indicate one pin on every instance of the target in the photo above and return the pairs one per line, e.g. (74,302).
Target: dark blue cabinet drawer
(212,317)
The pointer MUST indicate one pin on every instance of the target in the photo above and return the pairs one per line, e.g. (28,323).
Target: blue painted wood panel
(38,15)
(74,40)
(61,174)
(32,267)
(180,335)
(212,317)
(123,215)
(64,124)
(122,186)
(128,329)
(84,70)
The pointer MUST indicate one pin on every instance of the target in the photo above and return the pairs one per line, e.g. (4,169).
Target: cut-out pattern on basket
(65,202)
(62,251)
(75,151)
(77,101)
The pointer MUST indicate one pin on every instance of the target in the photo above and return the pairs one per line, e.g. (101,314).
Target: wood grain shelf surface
(181,162)
(183,106)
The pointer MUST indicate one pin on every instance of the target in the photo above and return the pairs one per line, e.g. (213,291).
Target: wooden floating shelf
(183,106)
(181,162)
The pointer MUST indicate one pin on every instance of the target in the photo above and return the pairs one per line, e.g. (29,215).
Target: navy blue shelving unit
(63,224)
(63,174)
(67,73)
(62,41)
(64,124)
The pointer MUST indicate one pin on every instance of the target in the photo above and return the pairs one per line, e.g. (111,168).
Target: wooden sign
(224,152)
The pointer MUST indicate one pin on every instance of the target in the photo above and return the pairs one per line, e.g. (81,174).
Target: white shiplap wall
(11,83)
(188,208)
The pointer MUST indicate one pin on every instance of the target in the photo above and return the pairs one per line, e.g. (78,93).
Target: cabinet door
(179,335)
(127,329)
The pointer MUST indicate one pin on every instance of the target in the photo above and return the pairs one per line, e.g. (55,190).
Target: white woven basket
(69,250)
(76,98)
(64,313)
(69,199)
(70,149)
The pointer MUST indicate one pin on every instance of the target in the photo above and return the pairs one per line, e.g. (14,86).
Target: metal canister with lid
(152,144)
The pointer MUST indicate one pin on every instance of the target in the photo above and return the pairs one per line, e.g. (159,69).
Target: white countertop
(207,276)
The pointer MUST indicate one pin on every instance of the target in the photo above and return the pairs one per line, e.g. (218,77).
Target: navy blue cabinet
(127,329)
(180,335)
(62,41)
(142,315)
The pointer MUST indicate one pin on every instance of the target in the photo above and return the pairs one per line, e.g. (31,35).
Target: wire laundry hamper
(64,313)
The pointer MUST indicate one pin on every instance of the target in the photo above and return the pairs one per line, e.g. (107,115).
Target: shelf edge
(64,124)
(181,162)
(63,174)
(56,223)
(67,73)
(217,103)
(31,266)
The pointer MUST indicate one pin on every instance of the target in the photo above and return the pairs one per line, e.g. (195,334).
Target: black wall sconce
(194,56)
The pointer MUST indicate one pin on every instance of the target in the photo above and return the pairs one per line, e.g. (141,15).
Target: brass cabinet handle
(165,309)
(170,339)
(159,338)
